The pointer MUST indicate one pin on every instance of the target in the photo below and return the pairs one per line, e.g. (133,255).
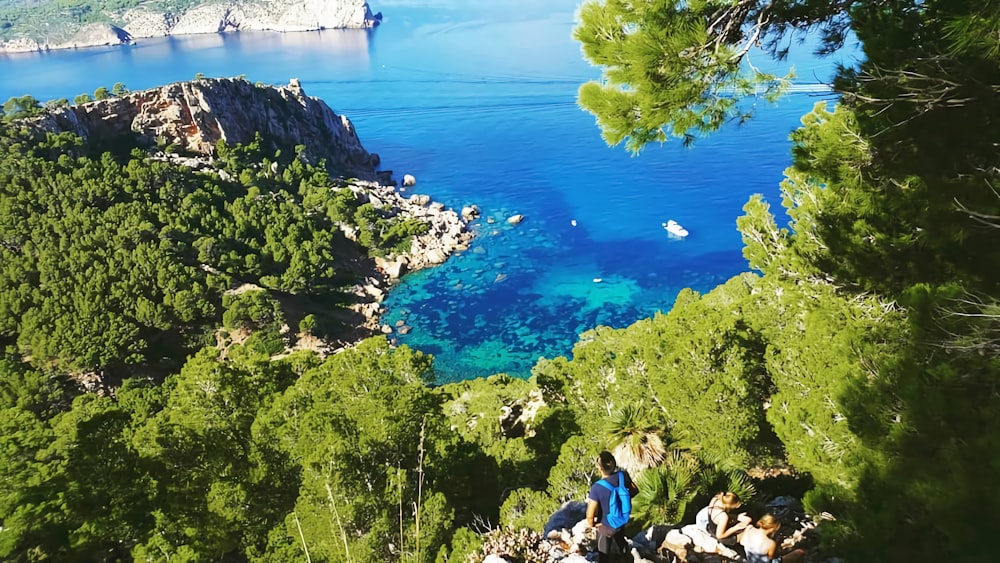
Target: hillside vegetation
(56,21)
(859,358)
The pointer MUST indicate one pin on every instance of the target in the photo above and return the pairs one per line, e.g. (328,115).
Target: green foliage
(102,93)
(701,367)
(491,414)
(308,323)
(666,71)
(574,471)
(383,233)
(139,252)
(57,104)
(879,298)
(365,430)
(637,439)
(82,99)
(21,107)
(666,492)
(527,508)
(251,310)
(464,543)
(119,89)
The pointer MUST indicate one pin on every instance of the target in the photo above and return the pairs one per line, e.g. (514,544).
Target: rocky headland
(183,122)
(151,19)
(193,116)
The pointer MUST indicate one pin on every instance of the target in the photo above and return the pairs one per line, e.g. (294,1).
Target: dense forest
(859,357)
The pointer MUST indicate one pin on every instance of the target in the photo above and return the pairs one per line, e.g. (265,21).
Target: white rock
(409,180)
(470,212)
(515,219)
(436,256)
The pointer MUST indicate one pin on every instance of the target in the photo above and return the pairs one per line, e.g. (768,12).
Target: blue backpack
(619,502)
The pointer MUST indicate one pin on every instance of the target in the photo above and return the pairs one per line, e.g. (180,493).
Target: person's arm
(633,489)
(771,550)
(591,512)
(722,529)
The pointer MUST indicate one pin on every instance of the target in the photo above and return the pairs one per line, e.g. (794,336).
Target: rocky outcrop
(147,20)
(195,115)
(447,233)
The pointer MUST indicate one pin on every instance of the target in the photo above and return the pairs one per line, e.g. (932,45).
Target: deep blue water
(477,100)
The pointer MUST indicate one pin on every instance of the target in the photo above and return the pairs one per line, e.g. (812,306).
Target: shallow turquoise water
(479,104)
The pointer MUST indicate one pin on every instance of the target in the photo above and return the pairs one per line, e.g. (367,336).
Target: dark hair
(607,463)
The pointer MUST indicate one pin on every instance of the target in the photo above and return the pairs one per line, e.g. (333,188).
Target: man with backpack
(610,499)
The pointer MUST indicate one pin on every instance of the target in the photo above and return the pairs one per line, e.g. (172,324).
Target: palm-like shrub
(637,441)
(666,491)
(719,476)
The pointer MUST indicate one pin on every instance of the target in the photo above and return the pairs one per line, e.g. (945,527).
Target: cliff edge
(194,116)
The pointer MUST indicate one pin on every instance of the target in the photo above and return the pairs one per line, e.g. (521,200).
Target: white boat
(675,229)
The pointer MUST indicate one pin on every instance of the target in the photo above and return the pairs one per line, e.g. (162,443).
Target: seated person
(760,545)
(714,530)
(716,520)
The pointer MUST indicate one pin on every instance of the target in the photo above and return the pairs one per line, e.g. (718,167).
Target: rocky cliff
(150,19)
(195,115)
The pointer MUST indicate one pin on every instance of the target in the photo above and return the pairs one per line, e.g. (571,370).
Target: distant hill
(33,25)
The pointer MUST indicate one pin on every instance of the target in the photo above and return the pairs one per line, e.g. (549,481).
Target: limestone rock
(409,180)
(515,219)
(470,212)
(195,115)
(233,15)
(436,256)
(96,34)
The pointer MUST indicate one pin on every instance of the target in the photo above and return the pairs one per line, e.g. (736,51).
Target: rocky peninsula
(157,19)
(183,122)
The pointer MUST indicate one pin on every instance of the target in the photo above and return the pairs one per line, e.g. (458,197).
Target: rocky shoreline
(146,20)
(449,233)
(193,116)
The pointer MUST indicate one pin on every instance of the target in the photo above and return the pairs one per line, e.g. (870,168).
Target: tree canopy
(859,356)
(876,310)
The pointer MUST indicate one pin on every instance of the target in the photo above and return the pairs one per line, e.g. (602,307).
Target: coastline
(194,115)
(449,233)
(130,26)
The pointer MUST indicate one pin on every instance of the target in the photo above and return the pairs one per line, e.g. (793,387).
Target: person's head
(769,524)
(729,501)
(606,463)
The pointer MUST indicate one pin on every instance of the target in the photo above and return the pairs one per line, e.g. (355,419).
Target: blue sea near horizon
(477,101)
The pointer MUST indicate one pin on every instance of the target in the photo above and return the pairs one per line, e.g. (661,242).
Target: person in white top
(716,520)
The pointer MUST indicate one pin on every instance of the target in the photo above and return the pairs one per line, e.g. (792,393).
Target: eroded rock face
(195,115)
(213,17)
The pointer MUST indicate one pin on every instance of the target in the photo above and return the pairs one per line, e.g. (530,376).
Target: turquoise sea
(477,100)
